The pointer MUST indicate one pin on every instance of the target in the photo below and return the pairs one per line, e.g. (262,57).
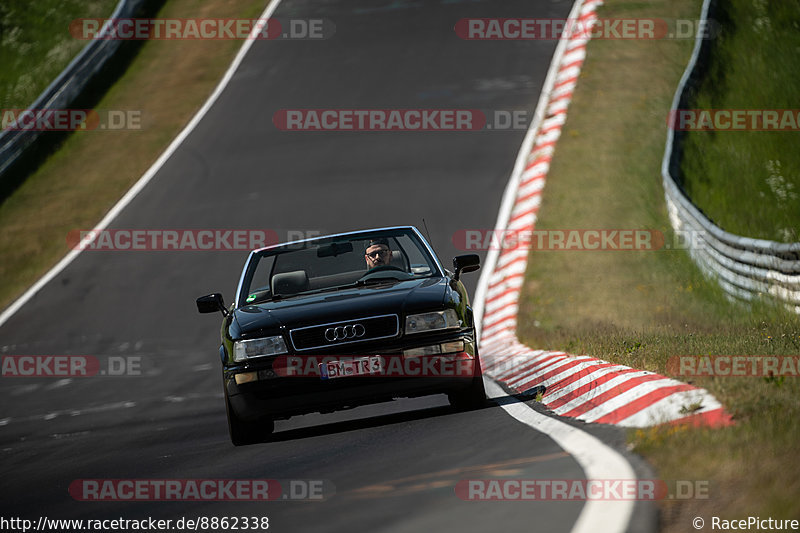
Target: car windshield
(334,263)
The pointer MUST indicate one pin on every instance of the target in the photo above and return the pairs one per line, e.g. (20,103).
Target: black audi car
(344,320)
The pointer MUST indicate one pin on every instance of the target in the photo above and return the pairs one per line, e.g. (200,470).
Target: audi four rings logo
(340,333)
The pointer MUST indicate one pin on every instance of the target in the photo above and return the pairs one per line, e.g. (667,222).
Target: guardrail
(743,266)
(67,86)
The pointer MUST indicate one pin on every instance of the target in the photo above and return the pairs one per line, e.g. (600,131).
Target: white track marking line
(597,460)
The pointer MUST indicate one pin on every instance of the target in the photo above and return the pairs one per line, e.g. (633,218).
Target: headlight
(432,321)
(243,350)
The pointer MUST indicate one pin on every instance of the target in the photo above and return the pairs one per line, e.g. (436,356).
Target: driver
(378,253)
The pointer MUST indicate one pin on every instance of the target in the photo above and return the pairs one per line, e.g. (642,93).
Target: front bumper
(289,385)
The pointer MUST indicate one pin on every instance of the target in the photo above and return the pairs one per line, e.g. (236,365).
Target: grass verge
(166,82)
(749,181)
(35,44)
(640,308)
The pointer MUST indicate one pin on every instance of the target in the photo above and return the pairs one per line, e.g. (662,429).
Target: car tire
(243,433)
(473,397)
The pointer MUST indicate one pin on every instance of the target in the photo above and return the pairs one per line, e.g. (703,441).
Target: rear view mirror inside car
(335,248)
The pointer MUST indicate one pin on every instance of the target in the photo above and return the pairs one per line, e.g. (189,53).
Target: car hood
(396,298)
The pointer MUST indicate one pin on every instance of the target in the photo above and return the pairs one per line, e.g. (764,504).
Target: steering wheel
(383,268)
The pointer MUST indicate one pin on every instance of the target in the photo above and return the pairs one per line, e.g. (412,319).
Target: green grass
(747,466)
(35,44)
(748,182)
(640,308)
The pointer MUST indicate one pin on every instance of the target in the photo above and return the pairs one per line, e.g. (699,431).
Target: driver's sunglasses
(376,253)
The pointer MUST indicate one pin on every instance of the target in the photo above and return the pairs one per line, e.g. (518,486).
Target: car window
(259,287)
(416,259)
(331,263)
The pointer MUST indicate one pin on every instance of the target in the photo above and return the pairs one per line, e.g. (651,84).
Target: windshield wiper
(377,281)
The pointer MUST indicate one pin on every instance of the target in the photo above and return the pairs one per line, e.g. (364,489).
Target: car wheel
(470,398)
(243,433)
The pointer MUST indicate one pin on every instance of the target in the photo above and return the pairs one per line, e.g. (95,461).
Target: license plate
(364,366)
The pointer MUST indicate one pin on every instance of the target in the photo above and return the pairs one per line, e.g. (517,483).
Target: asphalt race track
(389,467)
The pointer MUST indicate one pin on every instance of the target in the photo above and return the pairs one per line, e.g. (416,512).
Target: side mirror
(466,263)
(211,303)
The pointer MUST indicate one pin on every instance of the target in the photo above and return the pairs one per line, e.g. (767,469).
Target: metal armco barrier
(744,267)
(66,87)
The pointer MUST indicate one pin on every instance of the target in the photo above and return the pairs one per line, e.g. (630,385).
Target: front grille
(314,337)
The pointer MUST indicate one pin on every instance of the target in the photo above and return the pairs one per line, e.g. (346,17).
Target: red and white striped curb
(582,387)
